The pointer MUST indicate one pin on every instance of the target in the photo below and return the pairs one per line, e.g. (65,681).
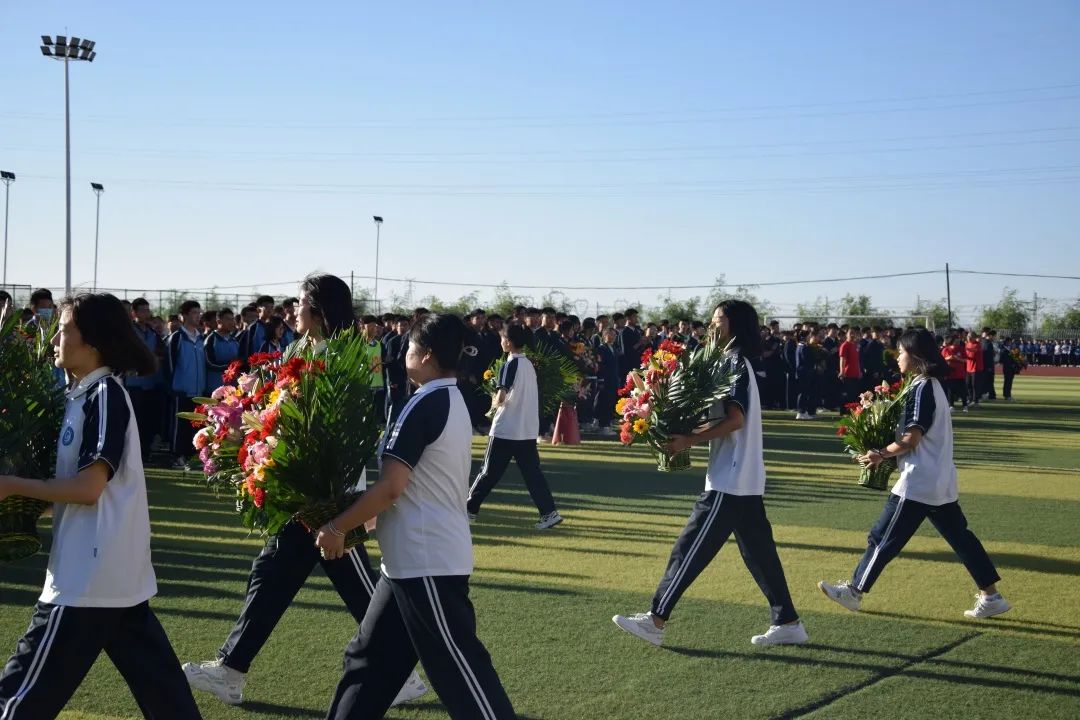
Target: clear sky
(552,144)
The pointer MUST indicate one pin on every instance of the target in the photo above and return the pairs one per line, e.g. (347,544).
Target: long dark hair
(743,326)
(331,301)
(106,327)
(919,343)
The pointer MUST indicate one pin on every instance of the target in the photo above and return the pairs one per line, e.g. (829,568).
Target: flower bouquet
(291,437)
(871,425)
(1019,360)
(31,411)
(671,394)
(557,377)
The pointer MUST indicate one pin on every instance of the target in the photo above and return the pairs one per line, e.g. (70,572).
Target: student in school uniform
(288,558)
(275,336)
(608,382)
(369,328)
(186,358)
(850,369)
(732,501)
(100,578)
(221,347)
(973,378)
(255,333)
(954,356)
(146,391)
(806,377)
(926,489)
(1009,368)
(420,608)
(513,433)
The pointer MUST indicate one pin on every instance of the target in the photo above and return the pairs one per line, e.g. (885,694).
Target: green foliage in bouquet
(31,411)
(871,424)
(557,377)
(293,437)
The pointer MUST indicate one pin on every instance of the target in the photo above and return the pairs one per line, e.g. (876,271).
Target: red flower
(242,455)
(260,497)
(260,359)
(249,484)
(646,356)
(852,406)
(673,347)
(841,431)
(232,371)
(269,423)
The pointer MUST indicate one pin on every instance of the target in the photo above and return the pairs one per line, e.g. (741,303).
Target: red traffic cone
(566,427)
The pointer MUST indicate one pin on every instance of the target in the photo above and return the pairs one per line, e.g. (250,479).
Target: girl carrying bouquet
(288,558)
(926,488)
(732,501)
(100,579)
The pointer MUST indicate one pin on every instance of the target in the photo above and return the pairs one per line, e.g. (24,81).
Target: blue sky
(553,144)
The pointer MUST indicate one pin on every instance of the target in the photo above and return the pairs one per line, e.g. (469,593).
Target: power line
(1028,275)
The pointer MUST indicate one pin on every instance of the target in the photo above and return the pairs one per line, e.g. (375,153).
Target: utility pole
(948,295)
(1035,314)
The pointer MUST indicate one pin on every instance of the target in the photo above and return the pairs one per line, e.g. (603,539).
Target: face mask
(45,313)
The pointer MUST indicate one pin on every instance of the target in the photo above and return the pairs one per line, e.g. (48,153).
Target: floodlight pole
(378,228)
(67,49)
(67,178)
(98,190)
(8,178)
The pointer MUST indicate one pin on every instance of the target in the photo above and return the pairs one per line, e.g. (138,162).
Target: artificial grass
(544,600)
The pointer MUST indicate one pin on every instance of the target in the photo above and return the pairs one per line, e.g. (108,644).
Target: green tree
(558,300)
(1010,313)
(937,310)
(675,310)
(462,306)
(721,291)
(816,311)
(505,301)
(1069,319)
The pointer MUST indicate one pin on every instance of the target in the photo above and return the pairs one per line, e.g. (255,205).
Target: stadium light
(7,177)
(378,227)
(75,49)
(98,189)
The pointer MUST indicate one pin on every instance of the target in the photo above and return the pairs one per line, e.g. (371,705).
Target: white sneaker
(642,626)
(413,688)
(842,593)
(986,607)
(179,464)
(802,416)
(965,409)
(549,521)
(608,432)
(217,679)
(792,634)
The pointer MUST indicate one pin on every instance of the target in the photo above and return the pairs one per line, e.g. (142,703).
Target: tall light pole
(378,227)
(7,178)
(63,49)
(98,189)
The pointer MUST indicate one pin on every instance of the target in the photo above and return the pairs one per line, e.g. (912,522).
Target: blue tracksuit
(186,358)
(220,351)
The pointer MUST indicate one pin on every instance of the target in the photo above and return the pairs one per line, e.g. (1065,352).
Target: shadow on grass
(256,708)
(1063,633)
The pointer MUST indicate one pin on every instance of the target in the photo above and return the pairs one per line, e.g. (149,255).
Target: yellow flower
(641,426)
(488,374)
(621,406)
(275,396)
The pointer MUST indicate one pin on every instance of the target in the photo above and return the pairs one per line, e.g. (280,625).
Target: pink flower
(226,415)
(247,383)
(209,467)
(221,392)
(204,455)
(259,453)
(202,439)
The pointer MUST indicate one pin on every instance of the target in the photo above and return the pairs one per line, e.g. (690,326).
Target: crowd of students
(416,607)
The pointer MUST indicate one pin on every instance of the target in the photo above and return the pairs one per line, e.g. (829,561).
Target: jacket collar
(80,388)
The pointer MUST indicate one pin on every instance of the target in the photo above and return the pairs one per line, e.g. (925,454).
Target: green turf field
(545,600)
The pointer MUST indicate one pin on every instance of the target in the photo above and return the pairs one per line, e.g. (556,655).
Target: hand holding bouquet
(871,425)
(291,437)
(671,394)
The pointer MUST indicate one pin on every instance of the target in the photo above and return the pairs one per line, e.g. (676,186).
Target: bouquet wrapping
(558,378)
(291,437)
(31,412)
(1019,360)
(871,425)
(672,393)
